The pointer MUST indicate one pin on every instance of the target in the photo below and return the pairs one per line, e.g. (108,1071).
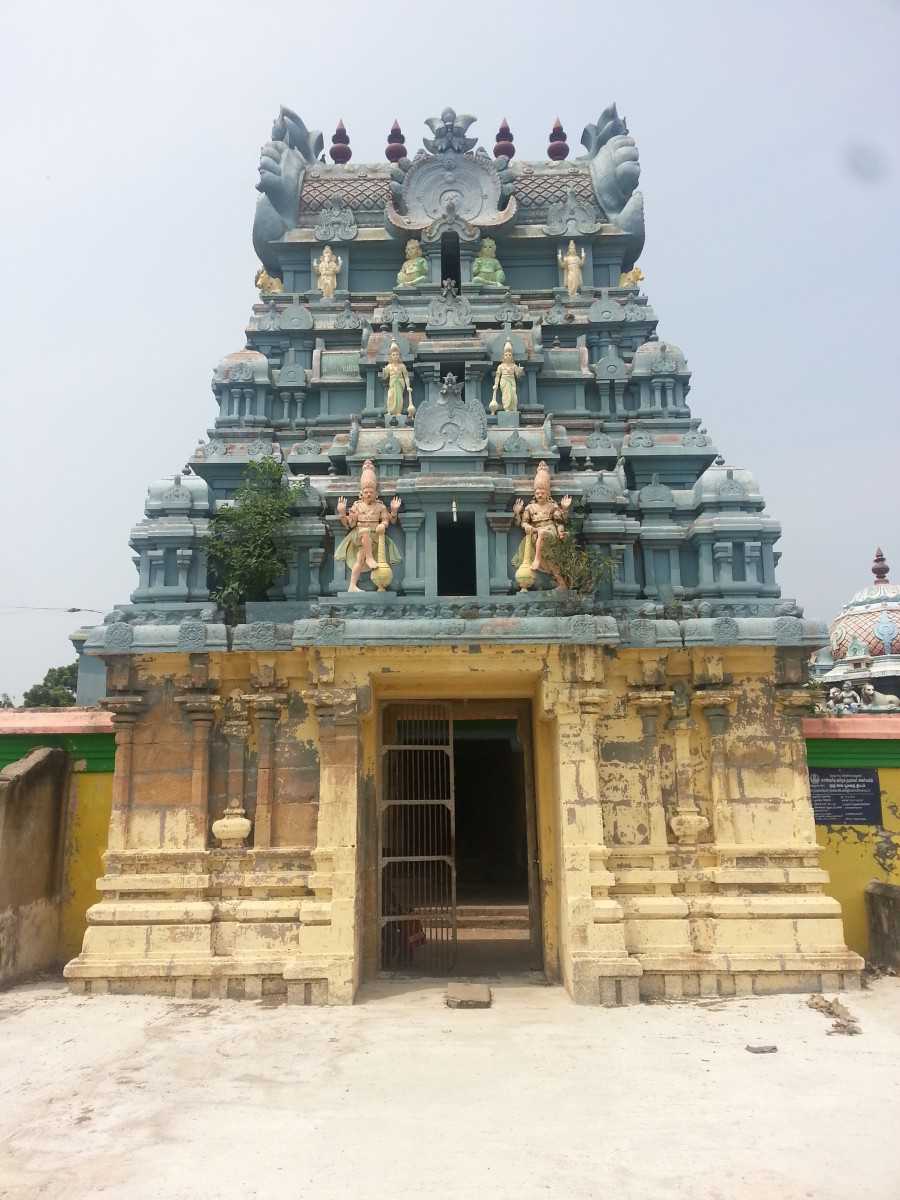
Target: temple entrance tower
(504,511)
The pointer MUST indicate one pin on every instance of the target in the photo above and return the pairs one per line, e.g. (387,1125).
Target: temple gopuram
(527,696)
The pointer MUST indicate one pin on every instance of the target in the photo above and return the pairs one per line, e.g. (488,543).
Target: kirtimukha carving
(415,268)
(367,546)
(543,524)
(508,371)
(327,269)
(266,282)
(398,383)
(486,266)
(572,264)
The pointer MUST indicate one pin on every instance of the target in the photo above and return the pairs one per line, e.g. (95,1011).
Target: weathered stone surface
(468,995)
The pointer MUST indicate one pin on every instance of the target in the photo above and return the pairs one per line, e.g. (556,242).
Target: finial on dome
(559,147)
(396,144)
(340,151)
(503,147)
(880,568)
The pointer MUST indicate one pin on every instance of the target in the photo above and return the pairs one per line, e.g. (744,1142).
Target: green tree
(6,701)
(56,691)
(248,540)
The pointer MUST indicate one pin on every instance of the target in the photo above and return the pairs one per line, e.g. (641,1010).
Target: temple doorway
(457,854)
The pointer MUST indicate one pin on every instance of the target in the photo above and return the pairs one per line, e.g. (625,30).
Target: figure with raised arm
(572,264)
(367,520)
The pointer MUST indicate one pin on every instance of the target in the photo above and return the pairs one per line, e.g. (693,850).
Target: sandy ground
(141,1097)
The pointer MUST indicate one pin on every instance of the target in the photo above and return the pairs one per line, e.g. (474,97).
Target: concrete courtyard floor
(399,1096)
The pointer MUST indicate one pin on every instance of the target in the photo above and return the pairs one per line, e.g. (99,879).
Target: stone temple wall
(676,844)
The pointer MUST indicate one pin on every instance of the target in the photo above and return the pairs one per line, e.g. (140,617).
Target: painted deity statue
(486,266)
(543,523)
(572,264)
(398,383)
(327,269)
(367,521)
(508,371)
(415,267)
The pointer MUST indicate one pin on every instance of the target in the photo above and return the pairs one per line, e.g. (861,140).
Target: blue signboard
(845,795)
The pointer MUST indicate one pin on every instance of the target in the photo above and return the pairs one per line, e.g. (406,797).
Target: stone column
(233,826)
(688,822)
(265,709)
(339,571)
(714,707)
(652,708)
(316,554)
(596,966)
(330,949)
(723,552)
(410,524)
(501,523)
(125,710)
(200,709)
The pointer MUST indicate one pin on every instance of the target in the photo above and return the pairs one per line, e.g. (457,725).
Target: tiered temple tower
(456,319)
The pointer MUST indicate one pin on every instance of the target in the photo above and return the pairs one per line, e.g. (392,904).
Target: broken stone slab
(764,1049)
(468,995)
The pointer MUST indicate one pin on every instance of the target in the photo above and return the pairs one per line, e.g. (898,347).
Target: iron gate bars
(416,839)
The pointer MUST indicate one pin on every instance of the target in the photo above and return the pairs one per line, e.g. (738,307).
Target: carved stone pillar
(200,709)
(596,966)
(652,708)
(265,709)
(688,823)
(501,523)
(233,826)
(723,552)
(410,524)
(316,554)
(125,710)
(715,709)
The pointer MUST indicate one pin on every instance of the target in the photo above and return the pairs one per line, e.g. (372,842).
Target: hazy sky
(768,135)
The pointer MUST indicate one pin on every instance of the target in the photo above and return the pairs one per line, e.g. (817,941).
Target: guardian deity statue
(367,520)
(415,267)
(572,264)
(327,269)
(543,523)
(508,371)
(398,383)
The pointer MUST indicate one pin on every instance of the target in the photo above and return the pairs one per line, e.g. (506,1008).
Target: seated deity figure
(367,520)
(327,269)
(508,371)
(543,523)
(572,263)
(486,266)
(398,383)
(415,268)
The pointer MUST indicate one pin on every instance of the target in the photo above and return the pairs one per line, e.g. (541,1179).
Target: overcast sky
(768,136)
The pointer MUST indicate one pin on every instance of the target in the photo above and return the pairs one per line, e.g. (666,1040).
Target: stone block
(468,995)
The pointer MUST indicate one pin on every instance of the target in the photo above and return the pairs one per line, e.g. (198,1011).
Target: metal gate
(416,839)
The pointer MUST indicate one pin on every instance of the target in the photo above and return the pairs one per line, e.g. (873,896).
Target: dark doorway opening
(494,913)
(450,267)
(456,554)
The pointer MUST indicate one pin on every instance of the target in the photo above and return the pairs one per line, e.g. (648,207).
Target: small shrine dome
(656,357)
(868,626)
(243,366)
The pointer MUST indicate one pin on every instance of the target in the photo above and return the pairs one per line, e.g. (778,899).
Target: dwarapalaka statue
(415,268)
(571,263)
(367,546)
(398,383)
(508,371)
(543,523)
(327,269)
(486,266)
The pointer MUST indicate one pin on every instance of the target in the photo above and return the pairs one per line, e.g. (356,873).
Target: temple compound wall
(676,847)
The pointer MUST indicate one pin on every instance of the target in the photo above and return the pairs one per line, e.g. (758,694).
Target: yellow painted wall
(87,825)
(854,855)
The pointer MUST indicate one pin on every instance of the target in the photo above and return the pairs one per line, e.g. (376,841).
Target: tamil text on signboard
(845,795)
